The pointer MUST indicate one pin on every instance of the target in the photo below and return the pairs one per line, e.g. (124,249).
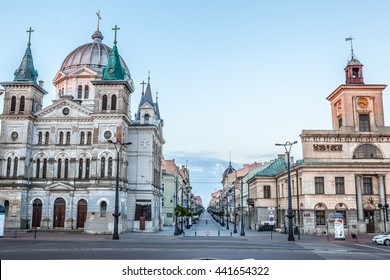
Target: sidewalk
(168,231)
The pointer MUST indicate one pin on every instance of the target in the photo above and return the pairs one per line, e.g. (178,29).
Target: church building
(61,165)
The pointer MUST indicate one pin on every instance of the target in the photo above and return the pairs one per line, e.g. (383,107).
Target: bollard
(231,233)
(195,232)
(219,233)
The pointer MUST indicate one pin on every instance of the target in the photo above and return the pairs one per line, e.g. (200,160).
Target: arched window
(87,166)
(86,92)
(103,167)
(82,137)
(6,207)
(16,160)
(13,103)
(109,167)
(367,151)
(59,165)
(47,138)
(40,135)
(113,102)
(21,105)
(9,166)
(68,138)
(104,103)
(81,161)
(103,209)
(66,171)
(38,168)
(89,138)
(44,169)
(147,118)
(61,140)
(79,92)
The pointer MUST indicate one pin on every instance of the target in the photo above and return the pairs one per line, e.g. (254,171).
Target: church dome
(93,55)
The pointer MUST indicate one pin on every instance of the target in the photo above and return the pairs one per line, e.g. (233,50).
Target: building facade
(344,170)
(61,164)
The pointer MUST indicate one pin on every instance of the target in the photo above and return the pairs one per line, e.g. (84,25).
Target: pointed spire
(26,70)
(156,106)
(114,69)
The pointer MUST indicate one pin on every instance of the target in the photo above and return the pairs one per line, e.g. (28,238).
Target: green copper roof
(26,70)
(114,69)
(273,169)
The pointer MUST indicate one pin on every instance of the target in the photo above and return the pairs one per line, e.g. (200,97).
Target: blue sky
(234,76)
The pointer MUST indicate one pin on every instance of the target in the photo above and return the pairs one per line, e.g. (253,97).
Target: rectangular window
(339,182)
(267,191)
(320,218)
(319,185)
(340,122)
(364,122)
(169,215)
(367,185)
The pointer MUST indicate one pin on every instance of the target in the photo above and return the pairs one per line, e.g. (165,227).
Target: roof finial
(29,36)
(143,85)
(156,96)
(115,30)
(148,77)
(99,19)
(350,39)
(230,157)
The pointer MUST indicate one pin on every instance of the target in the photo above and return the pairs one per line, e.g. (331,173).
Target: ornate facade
(59,164)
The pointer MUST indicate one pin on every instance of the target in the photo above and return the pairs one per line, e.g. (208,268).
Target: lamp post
(384,208)
(234,208)
(227,211)
(287,146)
(177,231)
(242,233)
(116,213)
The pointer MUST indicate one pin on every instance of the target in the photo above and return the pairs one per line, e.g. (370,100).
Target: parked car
(383,238)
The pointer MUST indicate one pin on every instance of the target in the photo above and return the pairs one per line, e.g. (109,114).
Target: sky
(233,77)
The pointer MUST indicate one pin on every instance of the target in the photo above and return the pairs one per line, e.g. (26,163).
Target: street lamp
(242,233)
(384,208)
(287,146)
(227,211)
(116,213)
(177,231)
(234,207)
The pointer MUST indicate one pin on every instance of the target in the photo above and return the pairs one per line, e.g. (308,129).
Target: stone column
(359,205)
(381,188)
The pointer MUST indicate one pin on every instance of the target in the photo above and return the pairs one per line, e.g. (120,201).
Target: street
(205,240)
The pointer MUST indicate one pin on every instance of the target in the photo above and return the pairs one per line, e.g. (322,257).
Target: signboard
(271,215)
(339,227)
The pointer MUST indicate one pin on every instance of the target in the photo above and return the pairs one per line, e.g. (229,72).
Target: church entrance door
(59,213)
(37,213)
(81,213)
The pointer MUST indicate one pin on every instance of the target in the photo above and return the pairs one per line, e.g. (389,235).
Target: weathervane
(350,39)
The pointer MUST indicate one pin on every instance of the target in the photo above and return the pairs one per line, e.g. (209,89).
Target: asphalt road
(203,241)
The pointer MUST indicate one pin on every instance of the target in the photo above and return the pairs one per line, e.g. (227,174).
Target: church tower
(145,160)
(22,99)
(356,106)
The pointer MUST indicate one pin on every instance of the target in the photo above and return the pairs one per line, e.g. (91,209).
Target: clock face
(362,102)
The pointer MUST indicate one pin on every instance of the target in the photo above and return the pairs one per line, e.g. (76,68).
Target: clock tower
(356,106)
